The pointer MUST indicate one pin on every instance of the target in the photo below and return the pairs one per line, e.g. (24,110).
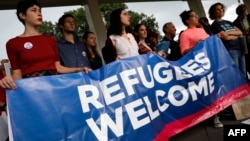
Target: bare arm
(8,81)
(230,35)
(63,69)
(117,56)
(237,32)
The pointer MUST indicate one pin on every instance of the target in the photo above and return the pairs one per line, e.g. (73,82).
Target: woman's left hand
(8,82)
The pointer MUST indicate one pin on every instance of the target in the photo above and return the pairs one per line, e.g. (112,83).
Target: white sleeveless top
(125,48)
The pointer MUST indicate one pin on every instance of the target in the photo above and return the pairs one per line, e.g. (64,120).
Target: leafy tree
(80,20)
(149,21)
(50,29)
(106,9)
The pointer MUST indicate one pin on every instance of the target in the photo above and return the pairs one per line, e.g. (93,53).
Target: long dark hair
(115,23)
(94,49)
(136,31)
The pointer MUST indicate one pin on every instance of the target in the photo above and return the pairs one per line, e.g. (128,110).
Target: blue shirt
(164,45)
(72,54)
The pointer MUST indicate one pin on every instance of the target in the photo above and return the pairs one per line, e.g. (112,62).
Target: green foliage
(50,29)
(80,20)
(149,21)
(106,9)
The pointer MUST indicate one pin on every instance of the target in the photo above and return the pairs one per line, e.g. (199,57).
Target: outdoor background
(162,11)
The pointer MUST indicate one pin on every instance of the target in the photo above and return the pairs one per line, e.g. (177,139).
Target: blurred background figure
(140,33)
(152,40)
(3,113)
(205,25)
(243,23)
(89,40)
(170,47)
(229,35)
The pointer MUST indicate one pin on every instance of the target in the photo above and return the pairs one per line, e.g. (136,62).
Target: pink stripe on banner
(180,125)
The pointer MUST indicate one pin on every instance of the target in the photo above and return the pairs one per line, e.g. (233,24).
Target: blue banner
(140,98)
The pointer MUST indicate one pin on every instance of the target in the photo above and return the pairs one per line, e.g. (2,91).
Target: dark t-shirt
(218,26)
(96,63)
(175,51)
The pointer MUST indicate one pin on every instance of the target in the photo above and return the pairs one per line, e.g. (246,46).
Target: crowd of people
(33,54)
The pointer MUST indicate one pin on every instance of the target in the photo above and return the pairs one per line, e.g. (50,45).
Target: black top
(218,26)
(95,63)
(175,51)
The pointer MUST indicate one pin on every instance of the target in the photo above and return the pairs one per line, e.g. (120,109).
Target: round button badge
(28,45)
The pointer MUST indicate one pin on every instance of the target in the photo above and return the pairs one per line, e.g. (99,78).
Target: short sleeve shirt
(72,54)
(32,54)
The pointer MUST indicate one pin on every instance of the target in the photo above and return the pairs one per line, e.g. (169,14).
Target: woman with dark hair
(228,33)
(140,32)
(243,23)
(120,43)
(192,35)
(32,54)
(203,21)
(89,40)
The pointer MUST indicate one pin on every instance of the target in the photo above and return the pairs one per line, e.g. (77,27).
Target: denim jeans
(239,59)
